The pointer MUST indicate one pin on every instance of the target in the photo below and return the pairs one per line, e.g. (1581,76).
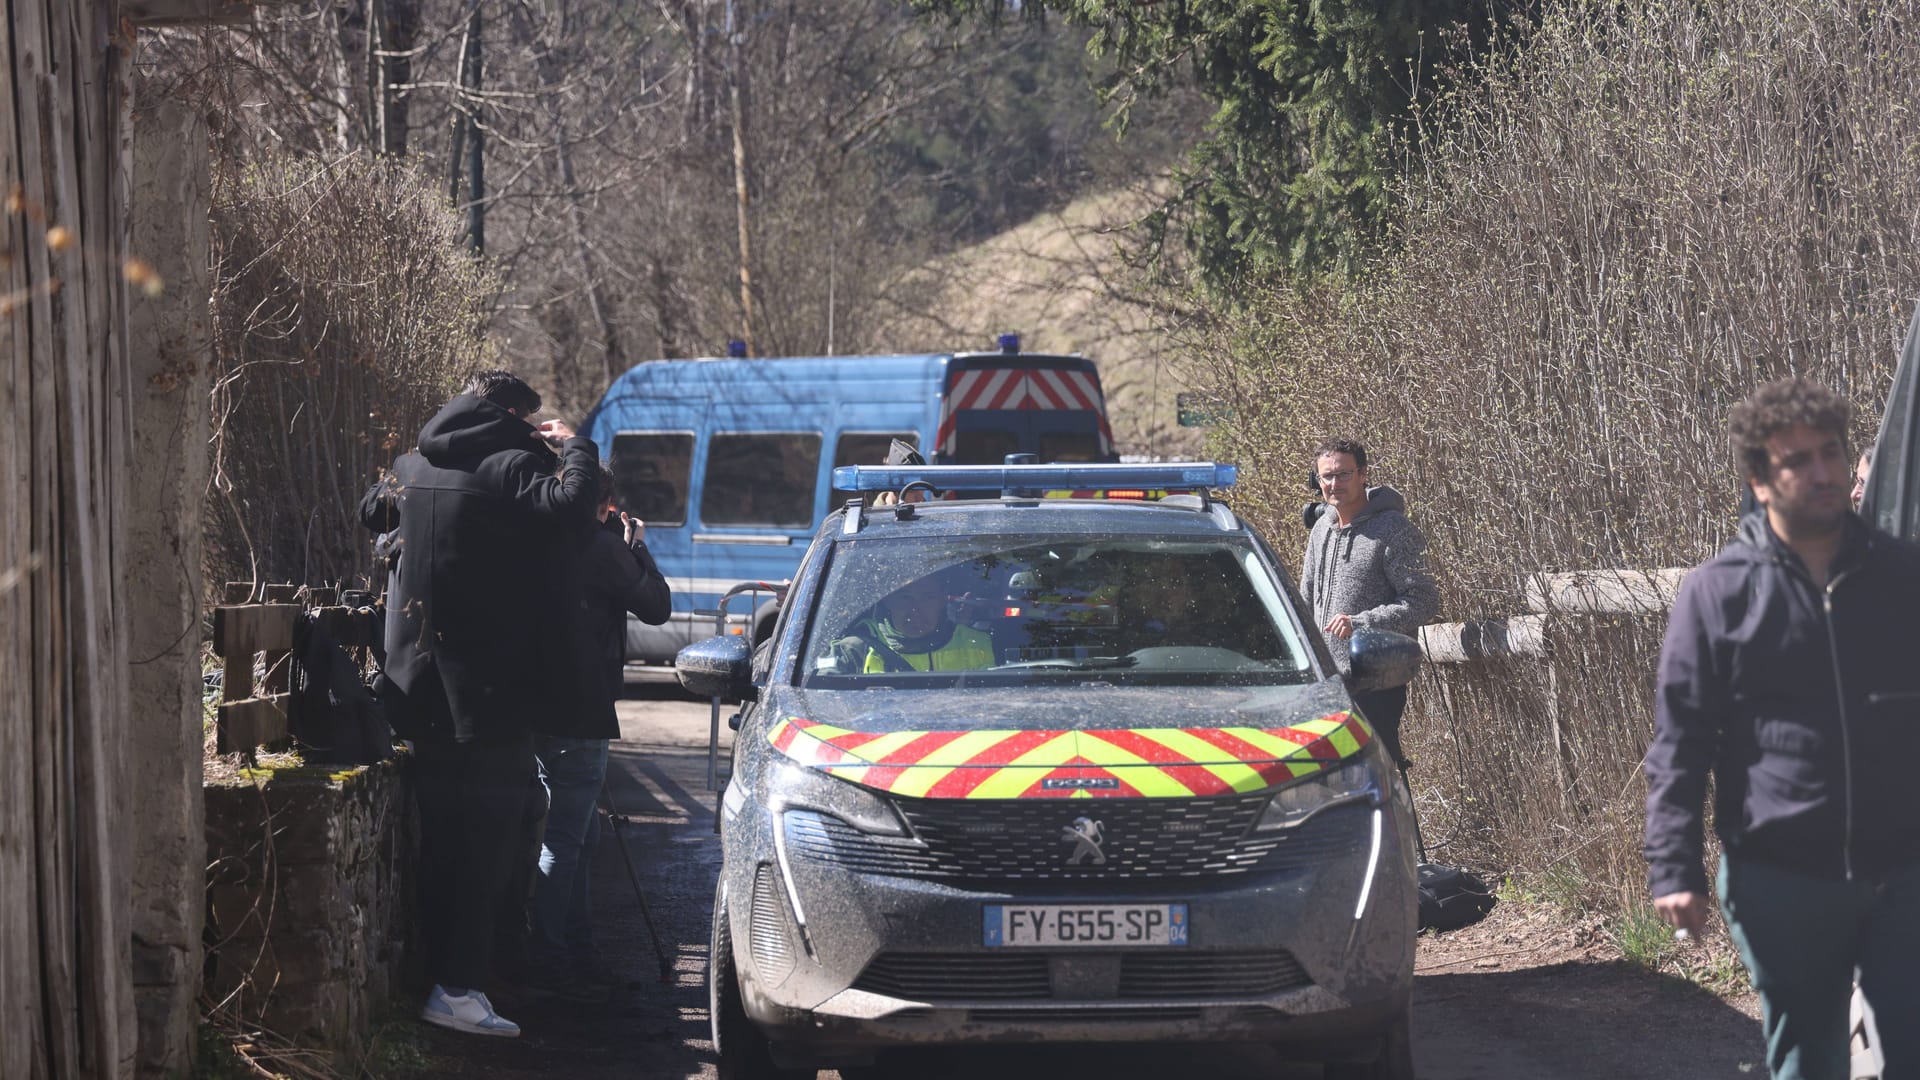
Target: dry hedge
(345,314)
(1632,217)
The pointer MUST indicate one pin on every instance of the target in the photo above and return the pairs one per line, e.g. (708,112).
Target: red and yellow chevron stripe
(1122,763)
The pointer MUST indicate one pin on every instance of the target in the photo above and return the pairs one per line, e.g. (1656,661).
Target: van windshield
(1015,610)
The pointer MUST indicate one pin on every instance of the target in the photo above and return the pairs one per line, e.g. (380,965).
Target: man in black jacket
(1791,672)
(484,511)
(615,574)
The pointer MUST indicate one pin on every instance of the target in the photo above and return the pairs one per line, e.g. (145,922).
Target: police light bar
(1103,478)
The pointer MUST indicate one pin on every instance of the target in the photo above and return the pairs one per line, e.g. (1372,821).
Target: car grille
(1159,976)
(1255,972)
(1020,839)
(1083,1014)
(958,976)
(772,952)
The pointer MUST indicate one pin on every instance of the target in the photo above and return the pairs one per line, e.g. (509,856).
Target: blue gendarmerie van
(729,461)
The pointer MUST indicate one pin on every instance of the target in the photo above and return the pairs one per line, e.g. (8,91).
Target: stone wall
(307,901)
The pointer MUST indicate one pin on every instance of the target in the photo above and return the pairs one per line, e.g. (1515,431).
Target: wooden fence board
(253,722)
(65,983)
(20,999)
(254,628)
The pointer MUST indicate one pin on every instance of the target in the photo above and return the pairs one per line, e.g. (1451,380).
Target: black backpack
(1451,898)
(333,714)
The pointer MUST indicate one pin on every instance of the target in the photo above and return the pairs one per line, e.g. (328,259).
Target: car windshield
(1016,610)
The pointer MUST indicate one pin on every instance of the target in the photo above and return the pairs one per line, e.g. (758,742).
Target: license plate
(1055,925)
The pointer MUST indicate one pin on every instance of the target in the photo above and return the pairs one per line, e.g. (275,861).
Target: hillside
(1057,280)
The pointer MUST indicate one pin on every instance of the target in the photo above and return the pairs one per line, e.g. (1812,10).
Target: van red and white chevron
(1008,388)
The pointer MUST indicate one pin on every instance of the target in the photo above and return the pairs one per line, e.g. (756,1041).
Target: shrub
(344,316)
(1633,215)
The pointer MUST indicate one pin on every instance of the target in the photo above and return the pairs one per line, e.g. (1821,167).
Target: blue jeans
(1802,938)
(562,916)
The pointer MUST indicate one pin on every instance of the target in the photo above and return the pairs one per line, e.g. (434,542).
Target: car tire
(1395,1061)
(739,1048)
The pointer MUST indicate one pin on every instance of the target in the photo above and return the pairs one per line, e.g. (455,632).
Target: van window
(650,474)
(985,447)
(761,479)
(1069,446)
(864,448)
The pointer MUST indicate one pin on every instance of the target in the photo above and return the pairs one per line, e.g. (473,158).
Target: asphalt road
(1575,1021)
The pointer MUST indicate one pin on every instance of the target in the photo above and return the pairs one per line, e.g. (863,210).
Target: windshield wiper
(1091,663)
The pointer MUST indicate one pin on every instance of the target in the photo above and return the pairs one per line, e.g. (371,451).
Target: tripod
(618,821)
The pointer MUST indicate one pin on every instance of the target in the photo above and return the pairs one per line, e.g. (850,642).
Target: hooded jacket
(1373,569)
(1803,703)
(484,530)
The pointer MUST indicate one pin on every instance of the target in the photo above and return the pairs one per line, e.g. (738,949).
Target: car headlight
(792,787)
(1357,780)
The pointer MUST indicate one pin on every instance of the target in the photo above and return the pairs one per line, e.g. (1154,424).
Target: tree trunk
(549,65)
(473,78)
(736,91)
(397,26)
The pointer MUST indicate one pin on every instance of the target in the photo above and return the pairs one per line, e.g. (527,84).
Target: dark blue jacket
(1804,704)
(611,578)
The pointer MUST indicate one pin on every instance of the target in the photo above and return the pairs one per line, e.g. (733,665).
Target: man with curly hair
(1791,674)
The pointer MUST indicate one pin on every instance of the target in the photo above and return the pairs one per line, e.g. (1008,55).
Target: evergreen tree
(1289,175)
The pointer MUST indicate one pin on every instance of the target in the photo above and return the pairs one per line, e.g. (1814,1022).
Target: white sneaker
(470,1012)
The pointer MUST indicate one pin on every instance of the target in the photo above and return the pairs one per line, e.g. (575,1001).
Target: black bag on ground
(1451,898)
(332,713)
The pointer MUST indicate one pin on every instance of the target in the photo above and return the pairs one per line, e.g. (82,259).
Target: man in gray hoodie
(1365,570)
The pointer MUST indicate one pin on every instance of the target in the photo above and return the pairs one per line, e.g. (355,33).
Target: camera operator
(613,574)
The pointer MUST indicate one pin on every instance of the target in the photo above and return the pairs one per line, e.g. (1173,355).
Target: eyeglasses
(1337,477)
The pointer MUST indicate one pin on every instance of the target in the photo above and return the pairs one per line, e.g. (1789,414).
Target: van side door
(758,490)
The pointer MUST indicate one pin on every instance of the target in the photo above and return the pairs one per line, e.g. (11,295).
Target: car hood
(1082,742)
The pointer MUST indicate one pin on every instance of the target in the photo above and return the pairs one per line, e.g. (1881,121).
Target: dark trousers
(1383,709)
(1802,939)
(473,799)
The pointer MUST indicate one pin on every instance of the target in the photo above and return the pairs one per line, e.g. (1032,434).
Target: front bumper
(1293,956)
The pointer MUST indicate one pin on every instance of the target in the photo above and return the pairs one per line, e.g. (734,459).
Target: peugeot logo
(1086,836)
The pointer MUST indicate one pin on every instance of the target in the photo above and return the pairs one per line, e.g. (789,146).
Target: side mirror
(1382,660)
(718,667)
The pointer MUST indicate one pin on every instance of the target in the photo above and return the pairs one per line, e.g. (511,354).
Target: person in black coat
(614,574)
(484,513)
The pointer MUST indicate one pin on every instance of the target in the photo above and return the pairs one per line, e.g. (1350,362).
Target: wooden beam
(253,628)
(253,722)
(1604,592)
(190,12)
(1452,643)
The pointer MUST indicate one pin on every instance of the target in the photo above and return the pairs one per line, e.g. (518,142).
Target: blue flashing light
(1009,343)
(1173,474)
(737,349)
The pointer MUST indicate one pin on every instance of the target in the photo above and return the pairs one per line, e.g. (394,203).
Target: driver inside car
(914,633)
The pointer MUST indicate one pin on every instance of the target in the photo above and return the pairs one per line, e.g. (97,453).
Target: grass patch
(1718,971)
(398,1050)
(1561,887)
(213,1057)
(1642,938)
